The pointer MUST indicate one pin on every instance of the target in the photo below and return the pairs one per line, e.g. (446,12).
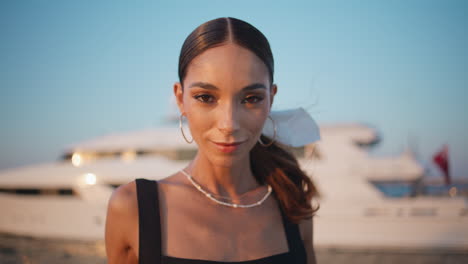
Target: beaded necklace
(234,205)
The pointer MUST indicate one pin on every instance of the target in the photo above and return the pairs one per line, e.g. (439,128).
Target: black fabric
(149,222)
(150,235)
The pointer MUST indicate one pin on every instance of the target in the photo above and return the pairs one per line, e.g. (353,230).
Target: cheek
(198,123)
(196,119)
(253,121)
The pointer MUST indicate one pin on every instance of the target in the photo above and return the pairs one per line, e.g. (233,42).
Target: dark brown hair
(274,164)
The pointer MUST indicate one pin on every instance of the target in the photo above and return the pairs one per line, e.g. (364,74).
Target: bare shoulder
(122,208)
(122,211)
(121,232)
(124,198)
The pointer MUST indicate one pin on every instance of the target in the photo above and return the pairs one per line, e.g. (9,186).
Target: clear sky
(71,70)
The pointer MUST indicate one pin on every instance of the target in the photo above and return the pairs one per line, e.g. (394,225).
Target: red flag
(441,159)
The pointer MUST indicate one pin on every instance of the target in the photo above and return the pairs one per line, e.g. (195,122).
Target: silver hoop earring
(274,135)
(182,130)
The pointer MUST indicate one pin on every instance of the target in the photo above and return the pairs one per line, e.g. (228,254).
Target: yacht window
(42,192)
(423,211)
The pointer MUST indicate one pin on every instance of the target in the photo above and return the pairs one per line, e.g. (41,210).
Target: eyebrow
(210,86)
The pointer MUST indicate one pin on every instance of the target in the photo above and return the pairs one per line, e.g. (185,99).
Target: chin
(227,160)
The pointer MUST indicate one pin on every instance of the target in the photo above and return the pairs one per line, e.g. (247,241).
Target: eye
(253,99)
(204,98)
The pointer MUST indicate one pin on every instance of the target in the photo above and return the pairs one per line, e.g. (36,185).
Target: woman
(243,199)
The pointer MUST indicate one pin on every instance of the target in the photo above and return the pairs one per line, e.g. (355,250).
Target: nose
(228,121)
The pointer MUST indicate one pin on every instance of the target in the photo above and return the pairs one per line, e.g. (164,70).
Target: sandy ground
(15,250)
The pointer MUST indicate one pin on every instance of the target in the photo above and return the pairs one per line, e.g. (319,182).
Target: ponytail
(293,189)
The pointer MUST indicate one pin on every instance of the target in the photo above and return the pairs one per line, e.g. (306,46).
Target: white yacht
(68,199)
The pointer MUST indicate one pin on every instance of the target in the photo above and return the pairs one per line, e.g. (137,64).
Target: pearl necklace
(210,196)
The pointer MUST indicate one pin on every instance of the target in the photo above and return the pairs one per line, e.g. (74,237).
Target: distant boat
(68,199)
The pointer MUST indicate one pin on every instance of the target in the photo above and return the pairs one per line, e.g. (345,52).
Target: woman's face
(226,98)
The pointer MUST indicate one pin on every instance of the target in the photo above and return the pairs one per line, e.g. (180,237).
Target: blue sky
(71,70)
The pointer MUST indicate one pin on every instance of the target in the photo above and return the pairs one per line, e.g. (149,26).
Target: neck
(231,181)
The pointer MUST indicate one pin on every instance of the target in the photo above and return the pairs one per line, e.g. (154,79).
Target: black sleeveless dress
(150,235)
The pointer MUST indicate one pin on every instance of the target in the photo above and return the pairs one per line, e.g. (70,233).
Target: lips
(228,147)
(228,144)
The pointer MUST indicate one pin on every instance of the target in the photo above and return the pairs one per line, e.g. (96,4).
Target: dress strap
(295,243)
(149,222)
